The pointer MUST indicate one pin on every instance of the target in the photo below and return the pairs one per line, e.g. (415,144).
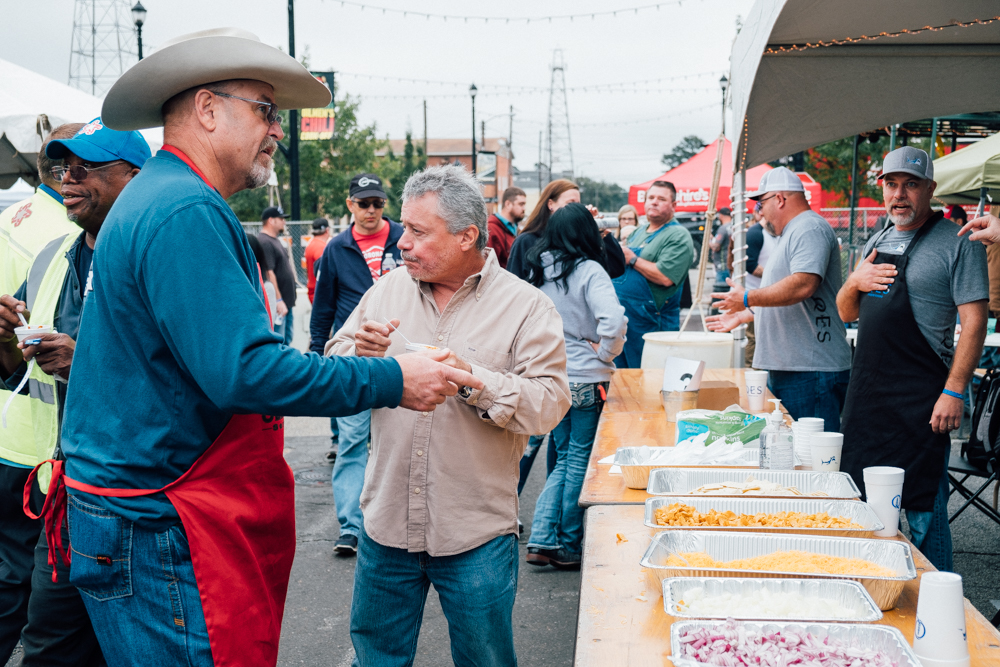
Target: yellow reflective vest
(25,228)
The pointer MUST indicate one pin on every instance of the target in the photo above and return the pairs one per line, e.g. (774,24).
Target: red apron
(237,506)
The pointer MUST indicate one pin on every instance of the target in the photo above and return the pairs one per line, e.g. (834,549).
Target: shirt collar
(50,192)
(511,227)
(181,155)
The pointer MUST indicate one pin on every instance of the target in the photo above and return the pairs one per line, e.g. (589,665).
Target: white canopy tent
(30,104)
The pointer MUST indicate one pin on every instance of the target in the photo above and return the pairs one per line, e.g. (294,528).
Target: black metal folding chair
(959,472)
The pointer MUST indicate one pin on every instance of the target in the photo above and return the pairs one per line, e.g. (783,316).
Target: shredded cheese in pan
(679,514)
(785,561)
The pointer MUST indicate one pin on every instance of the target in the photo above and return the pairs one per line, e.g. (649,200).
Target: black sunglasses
(78,172)
(369,203)
(271,112)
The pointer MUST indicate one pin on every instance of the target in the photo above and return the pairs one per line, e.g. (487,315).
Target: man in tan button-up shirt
(440,494)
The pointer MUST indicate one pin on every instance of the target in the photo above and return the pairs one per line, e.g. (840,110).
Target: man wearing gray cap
(181,505)
(801,341)
(905,395)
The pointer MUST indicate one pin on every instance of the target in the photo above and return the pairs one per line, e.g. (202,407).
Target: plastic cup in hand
(884,492)
(824,449)
(756,386)
(417,347)
(939,636)
(31,332)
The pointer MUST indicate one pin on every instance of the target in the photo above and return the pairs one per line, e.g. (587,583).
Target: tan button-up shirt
(445,481)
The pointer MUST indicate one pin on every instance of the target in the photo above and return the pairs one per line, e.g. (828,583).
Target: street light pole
(472,93)
(293,125)
(138,18)
(724,84)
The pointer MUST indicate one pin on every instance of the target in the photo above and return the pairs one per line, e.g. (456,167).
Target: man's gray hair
(460,201)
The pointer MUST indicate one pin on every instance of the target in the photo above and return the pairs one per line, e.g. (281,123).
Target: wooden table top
(633,416)
(622,621)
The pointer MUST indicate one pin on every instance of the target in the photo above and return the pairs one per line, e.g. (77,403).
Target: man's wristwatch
(465,393)
(631,262)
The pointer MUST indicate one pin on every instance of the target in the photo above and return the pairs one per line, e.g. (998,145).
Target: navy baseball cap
(366,185)
(96,142)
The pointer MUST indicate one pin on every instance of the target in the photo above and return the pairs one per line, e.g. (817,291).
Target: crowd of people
(143,432)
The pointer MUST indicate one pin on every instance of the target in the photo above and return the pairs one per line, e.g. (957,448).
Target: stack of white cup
(802,431)
(884,492)
(939,637)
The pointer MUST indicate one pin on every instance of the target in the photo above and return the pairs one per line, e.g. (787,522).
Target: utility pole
(559,143)
(293,124)
(539,161)
(103,44)
(425,129)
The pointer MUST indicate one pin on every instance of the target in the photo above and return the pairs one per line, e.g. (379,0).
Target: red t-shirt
(313,252)
(372,247)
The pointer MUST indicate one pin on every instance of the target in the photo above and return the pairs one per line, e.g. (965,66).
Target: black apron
(896,379)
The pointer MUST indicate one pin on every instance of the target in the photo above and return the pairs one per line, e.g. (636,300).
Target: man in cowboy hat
(181,506)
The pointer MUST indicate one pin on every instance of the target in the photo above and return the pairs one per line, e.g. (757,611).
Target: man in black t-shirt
(278,269)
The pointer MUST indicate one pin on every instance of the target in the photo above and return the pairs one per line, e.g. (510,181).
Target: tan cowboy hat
(136,100)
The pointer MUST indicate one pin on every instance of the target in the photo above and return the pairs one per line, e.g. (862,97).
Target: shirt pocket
(493,360)
(101,543)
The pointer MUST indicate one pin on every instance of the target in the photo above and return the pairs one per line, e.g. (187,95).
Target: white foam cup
(419,347)
(884,492)
(939,636)
(812,423)
(31,332)
(756,387)
(824,450)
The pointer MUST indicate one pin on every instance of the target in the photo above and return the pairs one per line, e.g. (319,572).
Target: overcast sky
(693,38)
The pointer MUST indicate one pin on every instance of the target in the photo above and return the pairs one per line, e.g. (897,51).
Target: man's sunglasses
(760,203)
(78,172)
(270,109)
(369,203)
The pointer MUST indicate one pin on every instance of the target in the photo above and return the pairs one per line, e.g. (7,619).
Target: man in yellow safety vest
(97,163)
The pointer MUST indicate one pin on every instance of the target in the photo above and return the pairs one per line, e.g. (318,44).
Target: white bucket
(715,349)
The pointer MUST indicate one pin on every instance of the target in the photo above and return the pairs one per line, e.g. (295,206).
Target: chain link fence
(867,221)
(297,236)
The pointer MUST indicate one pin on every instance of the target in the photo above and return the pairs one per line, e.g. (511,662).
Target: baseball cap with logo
(319,224)
(908,160)
(779,179)
(366,185)
(273,212)
(95,142)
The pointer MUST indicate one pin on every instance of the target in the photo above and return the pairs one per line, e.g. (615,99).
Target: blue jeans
(930,531)
(287,328)
(144,605)
(811,394)
(349,470)
(528,458)
(476,589)
(643,318)
(335,428)
(558,521)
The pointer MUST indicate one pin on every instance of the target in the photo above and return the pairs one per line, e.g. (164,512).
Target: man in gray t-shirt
(801,339)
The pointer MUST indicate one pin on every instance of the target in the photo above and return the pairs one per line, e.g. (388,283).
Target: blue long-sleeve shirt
(175,339)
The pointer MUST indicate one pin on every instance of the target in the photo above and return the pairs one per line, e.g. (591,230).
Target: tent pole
(739,258)
(982,202)
(892,138)
(696,301)
(854,191)
(933,147)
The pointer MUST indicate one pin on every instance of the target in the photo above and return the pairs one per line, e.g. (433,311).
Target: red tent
(693,181)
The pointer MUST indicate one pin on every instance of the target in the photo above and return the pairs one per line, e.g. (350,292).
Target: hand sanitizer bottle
(777,451)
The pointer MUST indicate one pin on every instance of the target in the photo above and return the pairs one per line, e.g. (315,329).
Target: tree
(830,164)
(688,147)
(605,196)
(396,171)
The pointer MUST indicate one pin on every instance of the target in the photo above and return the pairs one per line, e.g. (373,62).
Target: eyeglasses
(369,203)
(271,112)
(78,172)
(760,203)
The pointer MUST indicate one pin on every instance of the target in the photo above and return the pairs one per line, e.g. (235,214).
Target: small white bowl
(31,332)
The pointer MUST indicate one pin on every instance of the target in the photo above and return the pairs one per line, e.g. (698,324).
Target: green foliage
(830,164)
(688,147)
(326,169)
(605,196)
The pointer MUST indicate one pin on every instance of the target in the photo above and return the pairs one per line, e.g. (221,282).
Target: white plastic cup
(813,424)
(756,387)
(824,451)
(884,492)
(31,332)
(419,347)
(939,637)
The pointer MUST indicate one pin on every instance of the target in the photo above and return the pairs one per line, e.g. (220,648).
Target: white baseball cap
(908,160)
(780,179)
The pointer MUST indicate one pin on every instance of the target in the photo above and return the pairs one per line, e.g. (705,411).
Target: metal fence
(867,221)
(297,236)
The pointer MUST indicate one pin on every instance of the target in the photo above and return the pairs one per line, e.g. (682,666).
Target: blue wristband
(746,300)
(953,394)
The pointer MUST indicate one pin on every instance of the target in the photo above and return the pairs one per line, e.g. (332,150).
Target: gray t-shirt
(943,271)
(806,336)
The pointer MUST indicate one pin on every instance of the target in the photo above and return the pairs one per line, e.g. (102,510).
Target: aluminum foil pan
(636,464)
(883,638)
(856,511)
(726,546)
(678,481)
(849,594)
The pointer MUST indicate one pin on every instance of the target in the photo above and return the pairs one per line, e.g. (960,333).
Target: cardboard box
(717,395)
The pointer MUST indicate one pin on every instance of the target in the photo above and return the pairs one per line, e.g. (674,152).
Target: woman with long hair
(569,264)
(556,194)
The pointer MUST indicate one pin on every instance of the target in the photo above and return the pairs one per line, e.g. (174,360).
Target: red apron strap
(53,512)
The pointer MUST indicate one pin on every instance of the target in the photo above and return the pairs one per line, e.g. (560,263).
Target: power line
(535,92)
(597,87)
(614,13)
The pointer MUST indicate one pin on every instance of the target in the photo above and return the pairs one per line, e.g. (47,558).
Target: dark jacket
(517,265)
(342,278)
(500,239)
